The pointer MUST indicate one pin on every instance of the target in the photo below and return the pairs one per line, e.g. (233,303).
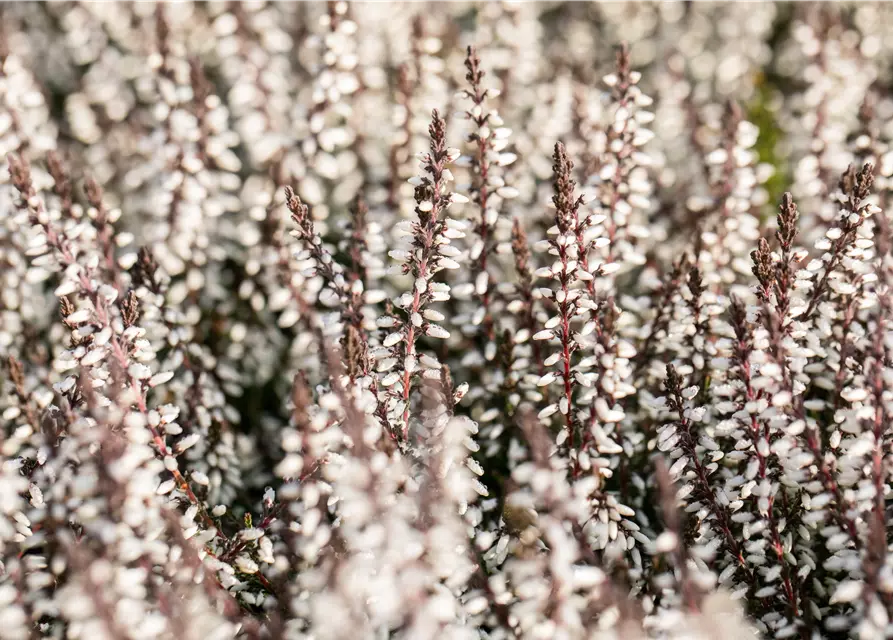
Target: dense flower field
(446,321)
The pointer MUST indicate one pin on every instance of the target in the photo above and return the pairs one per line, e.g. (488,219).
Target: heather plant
(448,320)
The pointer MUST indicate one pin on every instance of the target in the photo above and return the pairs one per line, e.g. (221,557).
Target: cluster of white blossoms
(472,320)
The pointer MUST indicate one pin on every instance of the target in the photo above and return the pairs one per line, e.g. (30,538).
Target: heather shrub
(448,320)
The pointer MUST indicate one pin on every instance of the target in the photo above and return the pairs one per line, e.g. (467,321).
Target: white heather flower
(246,564)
